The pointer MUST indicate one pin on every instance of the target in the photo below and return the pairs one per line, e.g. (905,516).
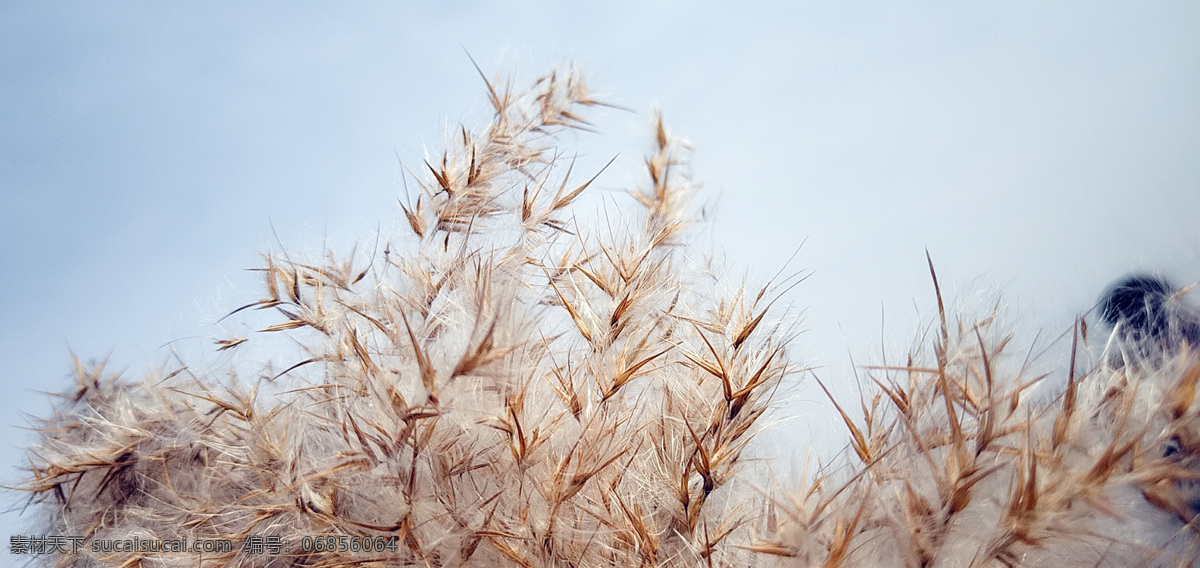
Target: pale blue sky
(147,149)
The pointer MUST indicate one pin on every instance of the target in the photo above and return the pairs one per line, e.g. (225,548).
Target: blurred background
(149,152)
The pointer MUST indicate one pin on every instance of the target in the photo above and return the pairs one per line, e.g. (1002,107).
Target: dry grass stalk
(958,460)
(503,387)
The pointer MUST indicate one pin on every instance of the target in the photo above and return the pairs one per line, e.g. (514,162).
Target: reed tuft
(505,385)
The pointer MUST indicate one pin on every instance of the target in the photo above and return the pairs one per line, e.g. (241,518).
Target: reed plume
(964,456)
(503,384)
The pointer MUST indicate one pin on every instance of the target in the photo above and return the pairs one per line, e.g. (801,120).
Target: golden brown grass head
(960,459)
(497,387)
(504,385)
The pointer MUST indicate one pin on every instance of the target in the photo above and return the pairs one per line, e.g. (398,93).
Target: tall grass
(504,385)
